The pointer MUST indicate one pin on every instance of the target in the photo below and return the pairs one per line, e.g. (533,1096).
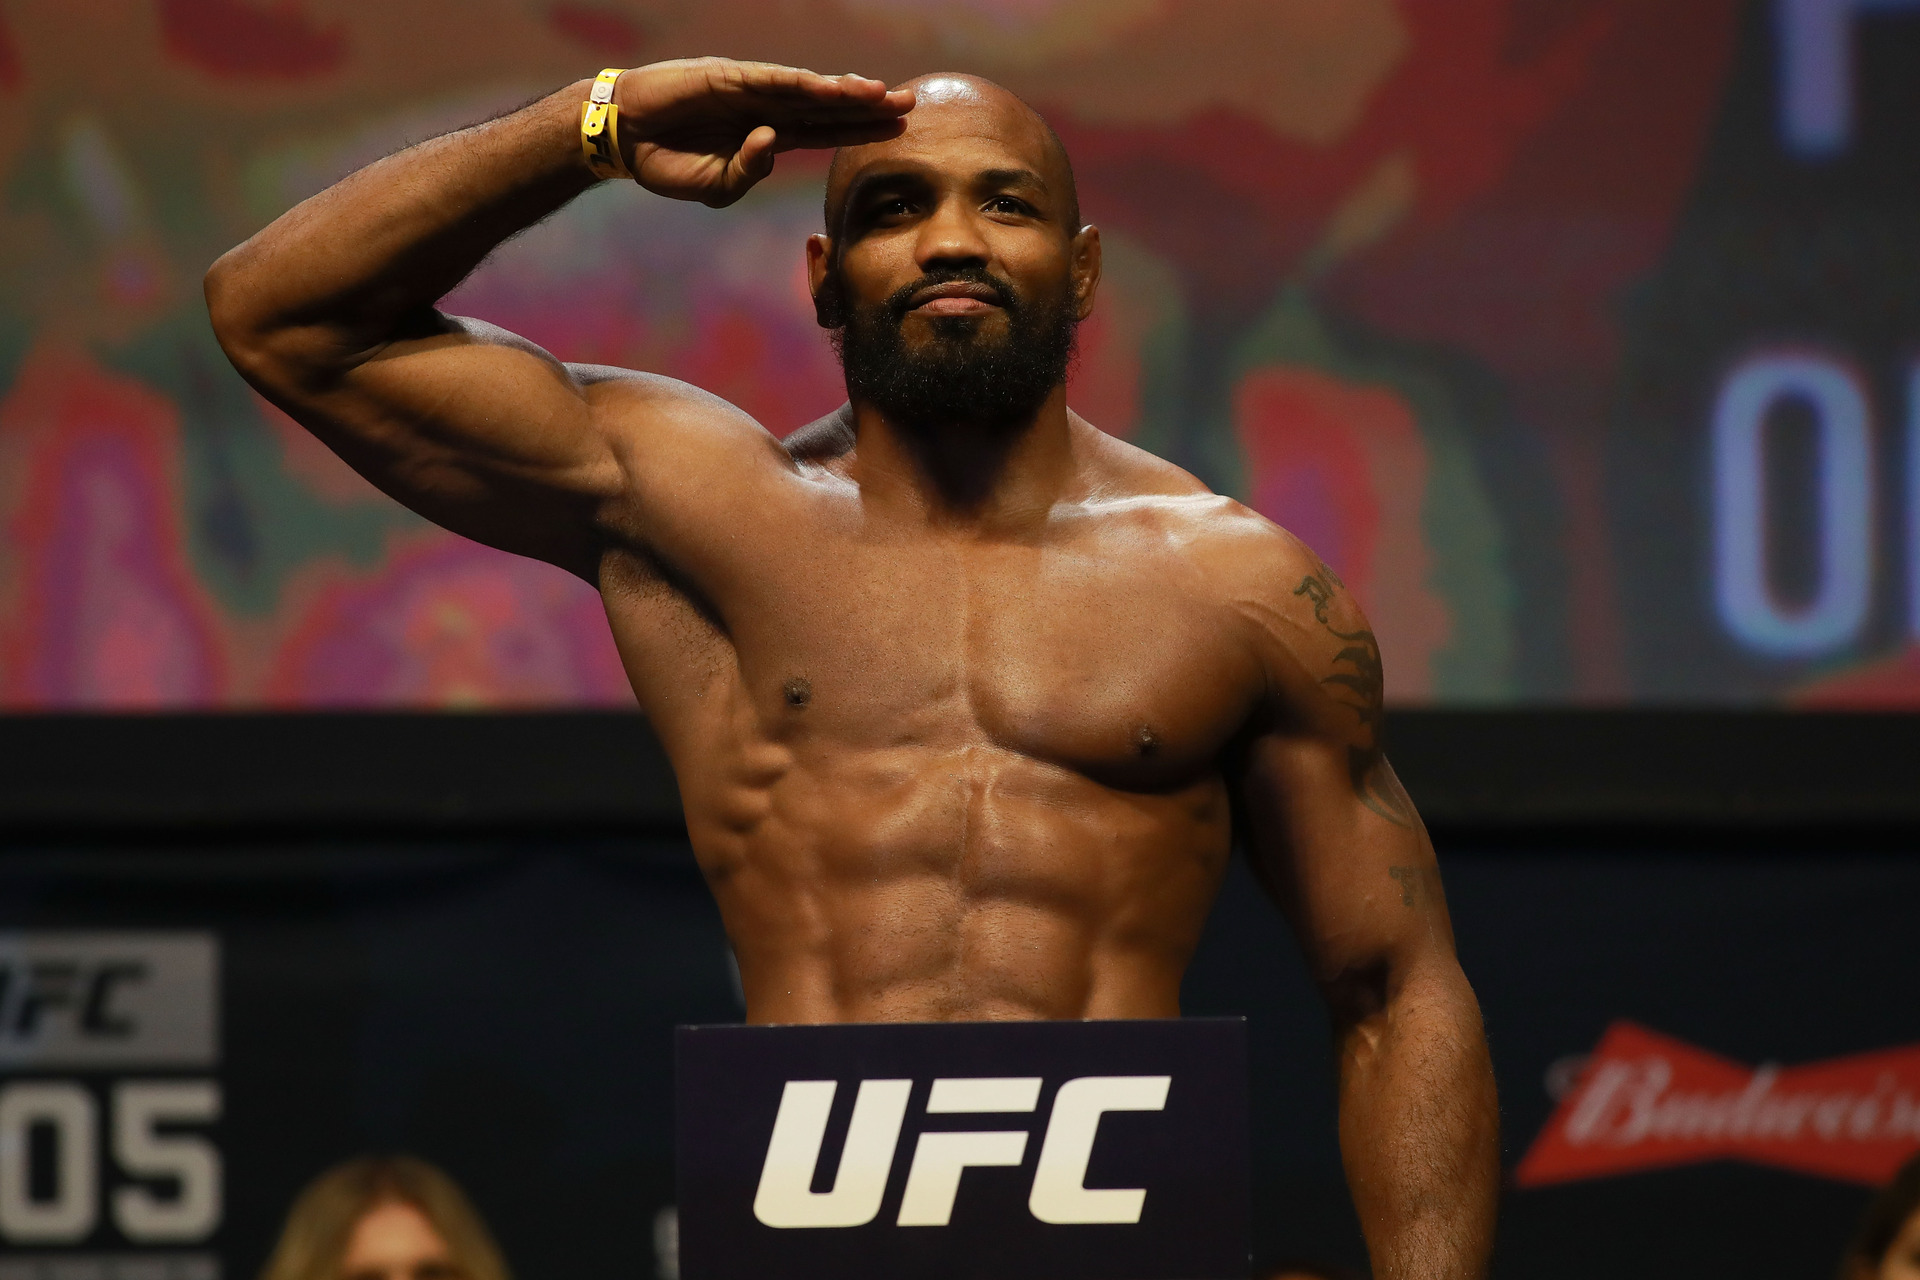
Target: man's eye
(899,207)
(1007,204)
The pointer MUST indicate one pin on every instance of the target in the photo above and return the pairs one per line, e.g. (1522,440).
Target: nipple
(1146,741)
(797,692)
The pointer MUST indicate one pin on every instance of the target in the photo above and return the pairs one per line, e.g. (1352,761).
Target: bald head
(955,105)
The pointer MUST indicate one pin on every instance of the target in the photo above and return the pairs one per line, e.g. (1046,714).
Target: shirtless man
(966,699)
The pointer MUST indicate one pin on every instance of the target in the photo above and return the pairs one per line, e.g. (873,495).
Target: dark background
(447,968)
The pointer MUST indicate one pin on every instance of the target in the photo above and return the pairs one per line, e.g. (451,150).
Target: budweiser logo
(1646,1101)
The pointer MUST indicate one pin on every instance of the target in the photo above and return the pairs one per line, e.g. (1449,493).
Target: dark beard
(958,377)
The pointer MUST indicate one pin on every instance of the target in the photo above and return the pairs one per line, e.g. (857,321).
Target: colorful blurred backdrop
(1579,335)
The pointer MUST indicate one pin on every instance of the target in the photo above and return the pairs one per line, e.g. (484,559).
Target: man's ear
(1086,269)
(829,309)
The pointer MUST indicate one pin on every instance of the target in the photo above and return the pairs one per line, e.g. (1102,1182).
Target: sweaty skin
(965,721)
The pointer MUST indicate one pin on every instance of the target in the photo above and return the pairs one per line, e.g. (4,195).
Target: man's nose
(951,237)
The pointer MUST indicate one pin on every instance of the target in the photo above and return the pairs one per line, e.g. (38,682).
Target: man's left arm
(1337,842)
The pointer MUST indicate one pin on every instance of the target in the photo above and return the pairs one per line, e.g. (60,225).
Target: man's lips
(957,298)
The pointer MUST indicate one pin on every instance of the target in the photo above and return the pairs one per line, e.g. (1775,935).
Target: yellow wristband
(600,128)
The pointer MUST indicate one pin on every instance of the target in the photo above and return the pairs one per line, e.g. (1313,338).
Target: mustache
(901,299)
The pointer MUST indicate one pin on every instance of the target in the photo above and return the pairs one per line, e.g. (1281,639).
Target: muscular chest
(1100,657)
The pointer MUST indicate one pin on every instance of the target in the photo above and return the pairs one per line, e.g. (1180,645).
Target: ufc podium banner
(1018,1151)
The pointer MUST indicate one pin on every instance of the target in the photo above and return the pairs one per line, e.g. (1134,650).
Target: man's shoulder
(680,431)
(628,397)
(1271,588)
(1209,528)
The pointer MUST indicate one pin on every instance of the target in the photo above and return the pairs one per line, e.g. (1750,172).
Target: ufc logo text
(1059,1195)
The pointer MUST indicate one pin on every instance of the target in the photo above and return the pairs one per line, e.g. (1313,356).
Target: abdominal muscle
(973,883)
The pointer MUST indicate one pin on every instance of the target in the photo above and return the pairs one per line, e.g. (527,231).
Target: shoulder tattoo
(1357,682)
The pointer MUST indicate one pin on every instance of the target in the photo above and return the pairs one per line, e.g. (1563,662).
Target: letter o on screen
(1060,1194)
(1844,454)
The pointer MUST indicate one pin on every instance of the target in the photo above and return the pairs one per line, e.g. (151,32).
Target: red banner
(1646,1101)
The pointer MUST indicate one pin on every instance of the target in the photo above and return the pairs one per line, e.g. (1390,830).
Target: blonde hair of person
(313,1244)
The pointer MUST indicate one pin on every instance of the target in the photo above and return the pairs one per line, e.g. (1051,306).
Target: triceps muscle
(477,430)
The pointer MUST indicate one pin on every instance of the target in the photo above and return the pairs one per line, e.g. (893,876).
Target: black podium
(1017,1151)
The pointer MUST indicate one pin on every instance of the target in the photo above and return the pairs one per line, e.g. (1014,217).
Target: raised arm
(329,312)
(1336,840)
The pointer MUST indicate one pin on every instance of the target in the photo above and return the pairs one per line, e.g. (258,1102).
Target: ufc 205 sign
(1070,1151)
(108,1105)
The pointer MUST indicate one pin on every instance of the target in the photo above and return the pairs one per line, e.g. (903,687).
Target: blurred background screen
(1581,336)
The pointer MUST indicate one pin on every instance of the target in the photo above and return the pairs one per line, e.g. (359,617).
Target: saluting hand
(707,129)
